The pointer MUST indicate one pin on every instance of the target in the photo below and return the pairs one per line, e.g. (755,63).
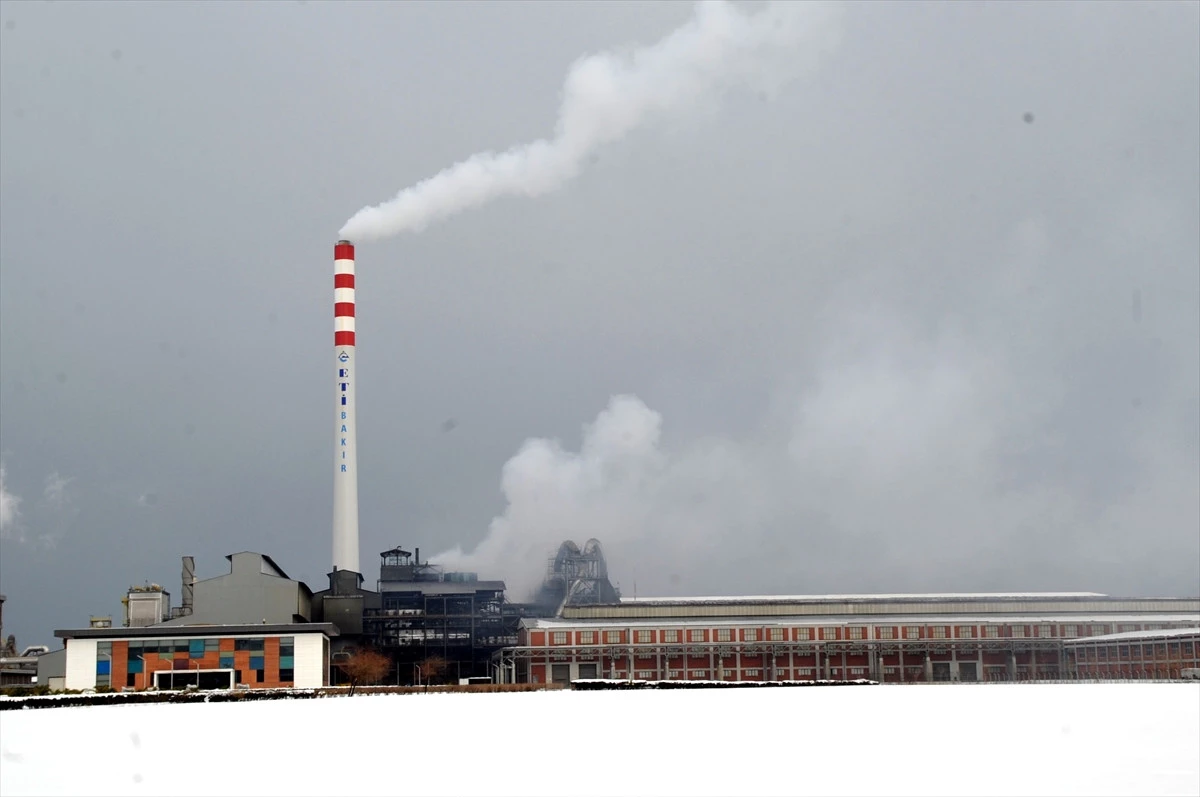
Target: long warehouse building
(889,638)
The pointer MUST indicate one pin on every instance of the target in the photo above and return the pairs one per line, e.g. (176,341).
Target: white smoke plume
(9,505)
(893,461)
(608,95)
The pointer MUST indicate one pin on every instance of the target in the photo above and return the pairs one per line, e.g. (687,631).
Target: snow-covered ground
(1083,739)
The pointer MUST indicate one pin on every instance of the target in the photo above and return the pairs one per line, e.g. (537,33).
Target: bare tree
(364,666)
(432,669)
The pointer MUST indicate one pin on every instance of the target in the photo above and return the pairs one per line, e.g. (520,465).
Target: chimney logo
(343,357)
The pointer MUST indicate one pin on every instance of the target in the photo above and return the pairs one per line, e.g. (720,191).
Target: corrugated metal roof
(1131,636)
(808,621)
(897,596)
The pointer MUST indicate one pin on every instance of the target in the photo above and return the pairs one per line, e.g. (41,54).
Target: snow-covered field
(1083,739)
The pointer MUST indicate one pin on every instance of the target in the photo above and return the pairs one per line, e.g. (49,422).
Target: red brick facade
(890,651)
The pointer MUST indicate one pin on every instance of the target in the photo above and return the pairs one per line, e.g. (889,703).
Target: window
(287,676)
(804,672)
(857,632)
(912,632)
(857,671)
(254,645)
(1018,631)
(751,634)
(675,674)
(1123,650)
(670,635)
(131,679)
(752,673)
(256,662)
(776,634)
(559,638)
(696,635)
(1070,631)
(195,648)
(1045,631)
(287,646)
(723,635)
(226,662)
(966,631)
(886,632)
(104,664)
(803,634)
(643,637)
(587,637)
(1188,649)
(612,637)
(829,632)
(940,632)
(1097,630)
(991,631)
(644,675)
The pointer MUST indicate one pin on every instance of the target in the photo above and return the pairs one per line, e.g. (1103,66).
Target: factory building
(1153,653)
(249,627)
(255,590)
(199,656)
(889,638)
(419,611)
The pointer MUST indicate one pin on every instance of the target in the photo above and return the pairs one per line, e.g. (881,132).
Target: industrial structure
(576,577)
(889,638)
(1150,653)
(345,458)
(255,627)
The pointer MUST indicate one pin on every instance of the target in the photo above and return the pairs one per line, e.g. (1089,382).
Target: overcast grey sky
(926,319)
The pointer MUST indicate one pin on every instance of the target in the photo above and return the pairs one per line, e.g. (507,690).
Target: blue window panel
(195,648)
(256,662)
(227,662)
(103,667)
(286,662)
(135,665)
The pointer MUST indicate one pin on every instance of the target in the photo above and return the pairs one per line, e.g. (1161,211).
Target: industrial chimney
(189,585)
(345,462)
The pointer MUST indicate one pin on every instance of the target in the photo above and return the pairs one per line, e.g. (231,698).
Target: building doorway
(197,679)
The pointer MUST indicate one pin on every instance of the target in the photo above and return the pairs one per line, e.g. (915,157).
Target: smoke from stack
(608,95)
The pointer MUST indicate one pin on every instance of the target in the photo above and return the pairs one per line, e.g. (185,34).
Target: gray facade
(256,590)
(52,668)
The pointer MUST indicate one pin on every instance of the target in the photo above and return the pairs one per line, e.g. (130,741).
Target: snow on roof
(922,596)
(844,620)
(1133,635)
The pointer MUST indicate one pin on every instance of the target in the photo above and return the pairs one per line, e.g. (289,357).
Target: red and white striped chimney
(345,460)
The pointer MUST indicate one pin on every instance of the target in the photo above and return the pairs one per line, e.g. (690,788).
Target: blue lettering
(343,399)
(343,455)
(343,469)
(343,415)
(344,386)
(343,372)
(343,441)
(344,427)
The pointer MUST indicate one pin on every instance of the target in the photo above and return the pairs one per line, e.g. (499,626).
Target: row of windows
(675,636)
(1148,650)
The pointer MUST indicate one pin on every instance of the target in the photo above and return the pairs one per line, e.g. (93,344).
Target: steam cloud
(608,95)
(896,464)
